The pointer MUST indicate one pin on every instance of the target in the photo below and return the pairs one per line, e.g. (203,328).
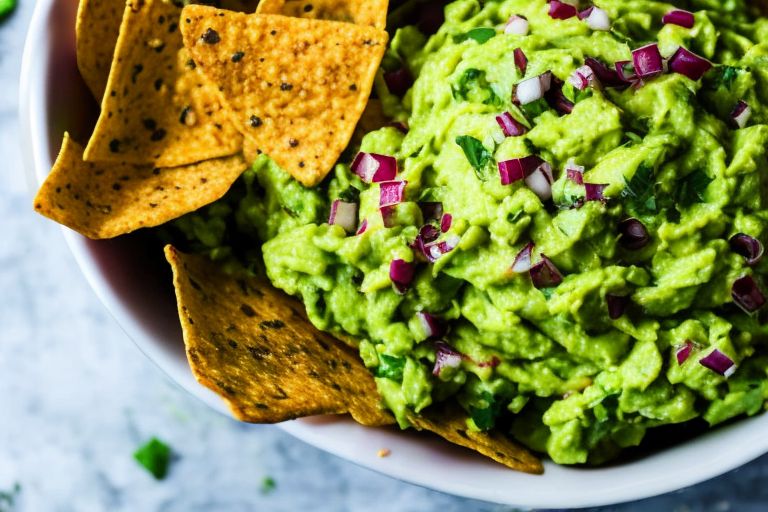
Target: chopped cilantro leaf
(350,195)
(725,76)
(639,192)
(477,154)
(692,188)
(535,108)
(7,7)
(8,498)
(390,367)
(268,485)
(481,35)
(513,217)
(574,95)
(473,86)
(155,456)
(485,416)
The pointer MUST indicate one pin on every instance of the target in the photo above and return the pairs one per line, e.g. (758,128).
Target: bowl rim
(414,458)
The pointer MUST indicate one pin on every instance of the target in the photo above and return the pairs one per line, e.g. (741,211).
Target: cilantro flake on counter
(7,7)
(268,485)
(155,457)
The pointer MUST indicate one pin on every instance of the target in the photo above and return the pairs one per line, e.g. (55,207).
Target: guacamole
(560,230)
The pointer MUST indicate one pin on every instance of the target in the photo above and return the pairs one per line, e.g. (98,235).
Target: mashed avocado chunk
(570,247)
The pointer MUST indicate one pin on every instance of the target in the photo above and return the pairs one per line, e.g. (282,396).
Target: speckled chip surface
(98,23)
(252,345)
(158,108)
(370,12)
(295,87)
(105,200)
(449,421)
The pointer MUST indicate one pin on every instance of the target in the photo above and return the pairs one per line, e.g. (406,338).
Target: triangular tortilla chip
(103,200)
(449,421)
(98,23)
(158,109)
(251,344)
(295,87)
(369,12)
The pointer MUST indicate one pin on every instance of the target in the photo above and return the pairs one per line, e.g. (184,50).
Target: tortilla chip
(250,344)
(102,200)
(98,23)
(369,12)
(449,422)
(158,109)
(295,87)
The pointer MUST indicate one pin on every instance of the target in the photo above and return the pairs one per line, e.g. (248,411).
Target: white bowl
(53,98)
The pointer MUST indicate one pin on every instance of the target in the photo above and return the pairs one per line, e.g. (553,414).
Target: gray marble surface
(77,398)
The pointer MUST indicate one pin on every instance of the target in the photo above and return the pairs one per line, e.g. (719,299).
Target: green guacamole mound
(548,365)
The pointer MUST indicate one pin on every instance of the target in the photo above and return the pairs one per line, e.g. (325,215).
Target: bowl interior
(132,281)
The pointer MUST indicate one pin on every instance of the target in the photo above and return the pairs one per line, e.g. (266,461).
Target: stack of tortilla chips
(189,96)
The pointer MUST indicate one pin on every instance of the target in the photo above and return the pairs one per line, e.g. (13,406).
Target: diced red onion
(391,192)
(574,173)
(540,181)
(430,323)
(388,215)
(431,210)
(633,234)
(557,99)
(545,274)
(343,214)
(647,60)
(437,250)
(608,77)
(533,88)
(510,126)
(747,295)
(594,191)
(626,71)
(398,81)
(582,78)
(517,25)
(683,352)
(689,64)
(617,304)
(363,227)
(598,19)
(719,363)
(586,12)
(374,168)
(521,61)
(493,362)
(518,168)
(561,11)
(679,17)
(741,114)
(429,233)
(523,260)
(445,357)
(445,222)
(401,273)
(749,247)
